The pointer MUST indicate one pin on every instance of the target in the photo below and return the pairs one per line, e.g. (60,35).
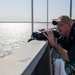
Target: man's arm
(62,52)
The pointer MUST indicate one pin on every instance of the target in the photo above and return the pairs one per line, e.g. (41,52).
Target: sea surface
(15,35)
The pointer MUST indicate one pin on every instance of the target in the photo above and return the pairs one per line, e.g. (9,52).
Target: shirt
(68,44)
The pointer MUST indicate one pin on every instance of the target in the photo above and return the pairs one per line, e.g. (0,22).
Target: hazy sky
(20,10)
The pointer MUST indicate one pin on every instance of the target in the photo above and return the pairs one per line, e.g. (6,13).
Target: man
(66,37)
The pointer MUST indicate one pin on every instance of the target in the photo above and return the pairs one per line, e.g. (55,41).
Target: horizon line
(23,22)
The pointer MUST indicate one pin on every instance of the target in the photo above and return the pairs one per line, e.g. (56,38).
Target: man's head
(63,25)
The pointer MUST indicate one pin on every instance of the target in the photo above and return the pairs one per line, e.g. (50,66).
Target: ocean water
(15,35)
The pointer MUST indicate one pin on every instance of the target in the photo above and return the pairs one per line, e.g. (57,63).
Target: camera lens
(38,35)
(54,22)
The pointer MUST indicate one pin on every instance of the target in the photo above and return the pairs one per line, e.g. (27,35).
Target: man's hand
(50,36)
(42,29)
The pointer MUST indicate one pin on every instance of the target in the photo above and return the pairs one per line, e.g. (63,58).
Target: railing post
(71,8)
(47,14)
(50,60)
(32,16)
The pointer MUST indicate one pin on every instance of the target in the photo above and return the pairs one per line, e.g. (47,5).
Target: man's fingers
(45,34)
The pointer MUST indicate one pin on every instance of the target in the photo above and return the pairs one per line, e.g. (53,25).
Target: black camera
(39,36)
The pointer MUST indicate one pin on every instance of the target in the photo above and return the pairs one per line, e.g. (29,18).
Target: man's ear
(70,26)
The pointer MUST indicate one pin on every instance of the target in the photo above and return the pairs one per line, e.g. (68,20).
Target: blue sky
(20,10)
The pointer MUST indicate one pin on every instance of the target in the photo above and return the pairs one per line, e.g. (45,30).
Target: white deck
(23,59)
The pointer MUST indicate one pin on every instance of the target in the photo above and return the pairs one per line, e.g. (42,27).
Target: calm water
(15,35)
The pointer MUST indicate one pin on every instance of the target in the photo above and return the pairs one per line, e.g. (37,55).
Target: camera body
(39,35)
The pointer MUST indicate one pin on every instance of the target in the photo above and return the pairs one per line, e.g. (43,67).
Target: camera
(39,35)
